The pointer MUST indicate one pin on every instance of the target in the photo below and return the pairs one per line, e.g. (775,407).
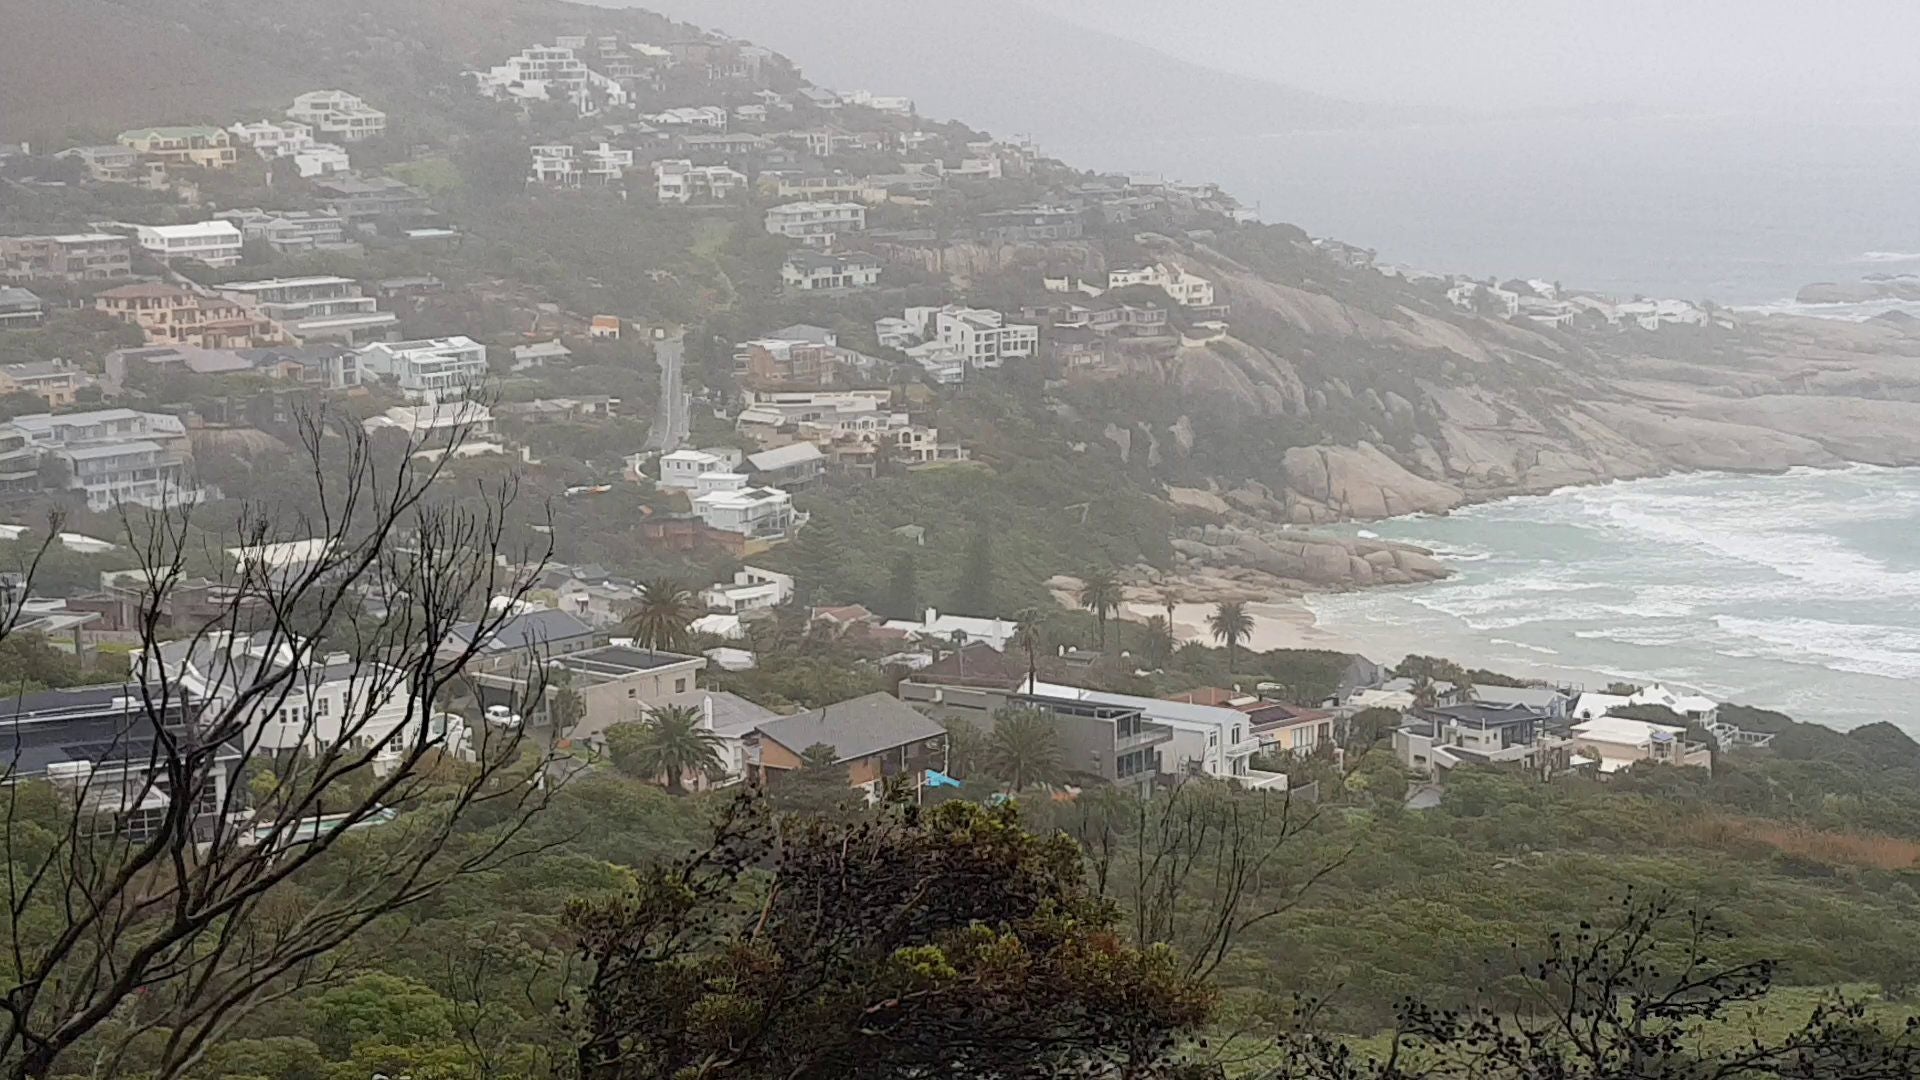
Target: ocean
(1741,210)
(1798,592)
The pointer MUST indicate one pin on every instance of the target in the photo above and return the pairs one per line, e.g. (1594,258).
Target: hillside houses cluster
(1544,303)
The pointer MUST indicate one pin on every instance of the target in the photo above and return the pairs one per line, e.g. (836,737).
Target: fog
(1497,54)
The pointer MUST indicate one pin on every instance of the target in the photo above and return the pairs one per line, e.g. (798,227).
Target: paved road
(674,421)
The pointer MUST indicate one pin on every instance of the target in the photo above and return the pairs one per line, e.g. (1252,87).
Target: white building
(315,308)
(682,469)
(540,73)
(115,456)
(1694,707)
(886,103)
(811,271)
(338,116)
(977,336)
(726,502)
(1654,314)
(700,117)
(1615,742)
(681,181)
(816,223)
(215,243)
(436,369)
(332,701)
(1187,290)
(935,624)
(1211,740)
(752,589)
(435,427)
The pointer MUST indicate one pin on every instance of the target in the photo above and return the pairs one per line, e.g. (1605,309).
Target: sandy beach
(1281,623)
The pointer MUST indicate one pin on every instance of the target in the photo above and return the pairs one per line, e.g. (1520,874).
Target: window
(679,686)
(1302,738)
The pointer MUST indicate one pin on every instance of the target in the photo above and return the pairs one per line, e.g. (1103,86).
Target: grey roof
(83,723)
(1532,697)
(855,729)
(617,661)
(785,457)
(732,714)
(1485,716)
(11,296)
(807,332)
(528,630)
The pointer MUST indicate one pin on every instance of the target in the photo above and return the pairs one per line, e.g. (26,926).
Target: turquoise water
(1798,592)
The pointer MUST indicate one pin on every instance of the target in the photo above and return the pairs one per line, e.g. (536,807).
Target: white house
(315,308)
(700,117)
(752,589)
(980,337)
(726,503)
(338,116)
(1211,740)
(1187,290)
(1615,742)
(679,181)
(812,271)
(1694,707)
(331,700)
(994,632)
(216,243)
(114,456)
(682,469)
(539,73)
(816,223)
(435,369)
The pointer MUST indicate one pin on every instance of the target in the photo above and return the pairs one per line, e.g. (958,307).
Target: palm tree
(670,741)
(1024,749)
(1159,640)
(1231,624)
(661,619)
(1027,623)
(960,648)
(1100,594)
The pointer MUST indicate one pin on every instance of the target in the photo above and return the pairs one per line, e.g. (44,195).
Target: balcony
(1147,735)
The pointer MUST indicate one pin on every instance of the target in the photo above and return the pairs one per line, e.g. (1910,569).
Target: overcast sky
(1716,54)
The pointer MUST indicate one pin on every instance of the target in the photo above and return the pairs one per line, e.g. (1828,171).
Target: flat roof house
(97,744)
(315,308)
(216,243)
(1612,743)
(338,116)
(809,271)
(617,683)
(815,223)
(1437,740)
(67,257)
(431,370)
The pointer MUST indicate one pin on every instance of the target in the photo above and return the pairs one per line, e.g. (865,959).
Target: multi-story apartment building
(356,198)
(215,243)
(170,315)
(1187,290)
(338,116)
(315,308)
(292,232)
(56,382)
(429,371)
(166,148)
(539,73)
(98,746)
(726,502)
(977,336)
(1032,224)
(816,223)
(114,164)
(115,456)
(68,257)
(681,181)
(331,700)
(810,271)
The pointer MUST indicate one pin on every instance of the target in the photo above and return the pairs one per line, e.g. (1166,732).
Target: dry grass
(1832,847)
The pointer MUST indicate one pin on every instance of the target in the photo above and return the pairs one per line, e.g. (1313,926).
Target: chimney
(932,616)
(706,713)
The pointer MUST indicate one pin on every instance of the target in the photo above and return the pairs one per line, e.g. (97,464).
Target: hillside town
(303,257)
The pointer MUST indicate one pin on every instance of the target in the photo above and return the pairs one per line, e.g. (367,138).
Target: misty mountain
(1013,70)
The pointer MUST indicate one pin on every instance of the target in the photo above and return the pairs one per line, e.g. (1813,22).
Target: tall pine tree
(973,593)
(903,590)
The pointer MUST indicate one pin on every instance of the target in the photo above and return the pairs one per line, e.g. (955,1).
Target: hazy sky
(1555,53)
